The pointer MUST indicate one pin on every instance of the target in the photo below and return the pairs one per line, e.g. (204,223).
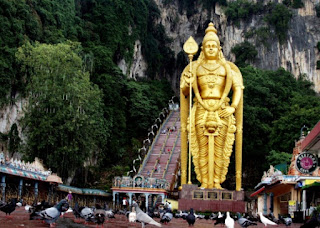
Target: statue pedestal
(191,196)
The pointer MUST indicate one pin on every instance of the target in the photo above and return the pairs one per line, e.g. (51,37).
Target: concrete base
(191,196)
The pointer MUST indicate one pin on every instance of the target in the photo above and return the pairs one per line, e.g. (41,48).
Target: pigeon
(166,217)
(229,222)
(285,220)
(252,217)
(313,222)
(50,215)
(143,217)
(220,220)
(87,214)
(76,211)
(99,215)
(9,207)
(133,215)
(266,221)
(27,207)
(243,222)
(273,218)
(181,215)
(199,216)
(67,211)
(39,207)
(213,216)
(191,218)
(110,214)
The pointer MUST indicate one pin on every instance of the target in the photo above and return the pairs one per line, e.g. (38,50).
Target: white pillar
(162,197)
(304,202)
(130,198)
(147,201)
(114,198)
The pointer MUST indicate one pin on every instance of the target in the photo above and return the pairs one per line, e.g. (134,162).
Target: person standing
(69,197)
(124,203)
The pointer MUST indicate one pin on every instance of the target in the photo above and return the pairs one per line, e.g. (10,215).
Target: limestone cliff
(298,54)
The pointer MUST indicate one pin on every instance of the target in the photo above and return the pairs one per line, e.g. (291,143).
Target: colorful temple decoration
(139,181)
(20,168)
(22,173)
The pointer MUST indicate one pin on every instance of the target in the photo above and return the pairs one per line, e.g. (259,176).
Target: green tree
(317,7)
(279,18)
(244,51)
(276,157)
(276,106)
(64,121)
(297,4)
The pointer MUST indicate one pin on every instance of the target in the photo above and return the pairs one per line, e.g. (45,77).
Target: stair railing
(146,158)
(171,154)
(162,148)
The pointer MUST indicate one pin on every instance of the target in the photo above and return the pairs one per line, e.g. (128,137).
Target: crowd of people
(169,130)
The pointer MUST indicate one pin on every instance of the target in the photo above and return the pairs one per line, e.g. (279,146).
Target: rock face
(138,65)
(9,115)
(298,54)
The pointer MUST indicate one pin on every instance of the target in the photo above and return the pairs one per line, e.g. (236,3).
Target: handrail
(146,158)
(158,159)
(161,151)
(171,154)
(173,147)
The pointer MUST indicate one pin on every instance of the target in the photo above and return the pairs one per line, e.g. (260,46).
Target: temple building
(299,191)
(31,183)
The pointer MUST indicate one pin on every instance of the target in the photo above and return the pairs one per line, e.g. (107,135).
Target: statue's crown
(211,28)
(211,34)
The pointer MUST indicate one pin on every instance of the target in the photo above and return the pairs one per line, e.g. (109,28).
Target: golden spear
(191,48)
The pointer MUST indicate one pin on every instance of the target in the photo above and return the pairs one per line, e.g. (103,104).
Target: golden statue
(213,120)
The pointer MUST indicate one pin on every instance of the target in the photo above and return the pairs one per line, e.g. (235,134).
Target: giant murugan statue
(214,121)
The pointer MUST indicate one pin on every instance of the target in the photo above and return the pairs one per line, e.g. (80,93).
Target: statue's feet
(204,185)
(217,186)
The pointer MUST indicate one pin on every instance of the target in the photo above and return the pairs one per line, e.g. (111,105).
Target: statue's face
(211,50)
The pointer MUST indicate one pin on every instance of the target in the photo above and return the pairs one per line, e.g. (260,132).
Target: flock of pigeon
(49,214)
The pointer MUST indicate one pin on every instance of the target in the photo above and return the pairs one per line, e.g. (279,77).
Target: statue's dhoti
(222,139)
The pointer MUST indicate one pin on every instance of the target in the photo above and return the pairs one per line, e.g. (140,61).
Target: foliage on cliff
(107,31)
(63,121)
(276,106)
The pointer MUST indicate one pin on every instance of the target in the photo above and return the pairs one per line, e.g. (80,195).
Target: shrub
(297,4)
(279,18)
(243,52)
(318,10)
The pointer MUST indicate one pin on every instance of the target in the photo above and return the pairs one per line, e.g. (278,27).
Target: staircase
(162,160)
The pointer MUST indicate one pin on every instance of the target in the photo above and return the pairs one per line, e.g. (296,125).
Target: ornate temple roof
(22,173)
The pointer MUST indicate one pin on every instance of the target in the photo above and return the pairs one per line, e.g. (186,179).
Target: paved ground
(20,218)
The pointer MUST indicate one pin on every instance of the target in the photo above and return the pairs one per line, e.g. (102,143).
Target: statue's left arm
(237,85)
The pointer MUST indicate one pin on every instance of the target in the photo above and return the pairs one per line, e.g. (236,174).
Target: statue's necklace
(212,77)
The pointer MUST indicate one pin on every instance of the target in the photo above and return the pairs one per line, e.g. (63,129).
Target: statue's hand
(227,111)
(188,77)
